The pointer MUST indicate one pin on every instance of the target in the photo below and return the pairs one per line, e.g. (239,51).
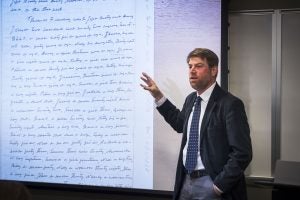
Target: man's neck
(199,92)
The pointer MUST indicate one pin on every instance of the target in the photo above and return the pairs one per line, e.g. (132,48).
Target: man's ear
(214,71)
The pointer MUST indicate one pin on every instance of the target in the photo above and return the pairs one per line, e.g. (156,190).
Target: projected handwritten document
(72,108)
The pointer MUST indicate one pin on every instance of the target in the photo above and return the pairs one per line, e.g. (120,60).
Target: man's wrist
(160,101)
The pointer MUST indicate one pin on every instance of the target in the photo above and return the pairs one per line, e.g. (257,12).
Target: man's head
(203,68)
(205,54)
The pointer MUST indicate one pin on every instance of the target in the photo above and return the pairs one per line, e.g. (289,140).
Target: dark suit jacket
(225,144)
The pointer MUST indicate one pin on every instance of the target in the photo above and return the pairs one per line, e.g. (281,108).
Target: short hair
(203,53)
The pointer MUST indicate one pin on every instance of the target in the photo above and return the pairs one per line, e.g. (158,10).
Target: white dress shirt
(205,97)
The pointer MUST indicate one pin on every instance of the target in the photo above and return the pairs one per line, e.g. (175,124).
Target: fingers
(144,87)
(150,84)
(144,79)
(147,79)
(146,75)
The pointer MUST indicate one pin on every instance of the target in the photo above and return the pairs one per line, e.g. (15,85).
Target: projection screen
(72,110)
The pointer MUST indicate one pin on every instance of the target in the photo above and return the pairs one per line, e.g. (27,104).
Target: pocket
(203,187)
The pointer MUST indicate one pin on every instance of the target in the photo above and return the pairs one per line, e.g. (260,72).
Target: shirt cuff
(161,101)
(217,189)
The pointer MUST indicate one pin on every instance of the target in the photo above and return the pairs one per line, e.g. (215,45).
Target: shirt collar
(206,94)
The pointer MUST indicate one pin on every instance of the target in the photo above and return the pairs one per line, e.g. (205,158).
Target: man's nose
(192,68)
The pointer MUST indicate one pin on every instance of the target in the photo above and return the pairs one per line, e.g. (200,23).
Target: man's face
(201,76)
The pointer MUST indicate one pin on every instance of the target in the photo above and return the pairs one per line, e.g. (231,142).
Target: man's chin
(194,86)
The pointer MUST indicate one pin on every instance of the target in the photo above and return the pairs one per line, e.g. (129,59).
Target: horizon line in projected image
(72,109)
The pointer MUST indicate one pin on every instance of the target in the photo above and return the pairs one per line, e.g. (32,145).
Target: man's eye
(199,65)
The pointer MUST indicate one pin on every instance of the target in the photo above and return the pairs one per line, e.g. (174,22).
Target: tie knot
(198,100)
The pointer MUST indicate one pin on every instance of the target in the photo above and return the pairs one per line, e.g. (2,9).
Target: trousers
(200,188)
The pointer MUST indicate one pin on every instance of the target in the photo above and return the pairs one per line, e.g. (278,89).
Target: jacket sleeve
(173,115)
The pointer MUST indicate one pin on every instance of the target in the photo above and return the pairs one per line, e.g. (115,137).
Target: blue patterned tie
(192,150)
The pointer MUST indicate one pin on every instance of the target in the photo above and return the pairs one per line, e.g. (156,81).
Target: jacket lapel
(209,109)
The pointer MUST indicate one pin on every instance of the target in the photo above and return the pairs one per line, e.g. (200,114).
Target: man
(214,167)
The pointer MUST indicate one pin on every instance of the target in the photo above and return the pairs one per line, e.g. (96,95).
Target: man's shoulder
(191,95)
(223,96)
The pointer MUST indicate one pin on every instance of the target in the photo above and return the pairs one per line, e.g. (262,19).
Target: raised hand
(151,86)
